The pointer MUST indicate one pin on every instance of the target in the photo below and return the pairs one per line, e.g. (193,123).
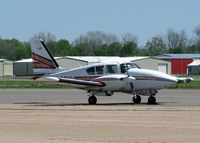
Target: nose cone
(167,77)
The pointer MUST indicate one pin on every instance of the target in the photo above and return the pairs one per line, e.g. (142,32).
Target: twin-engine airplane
(103,78)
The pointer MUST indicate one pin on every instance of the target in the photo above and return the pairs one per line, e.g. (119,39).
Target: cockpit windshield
(126,66)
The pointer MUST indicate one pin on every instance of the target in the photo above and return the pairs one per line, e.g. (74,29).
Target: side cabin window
(111,69)
(99,70)
(90,71)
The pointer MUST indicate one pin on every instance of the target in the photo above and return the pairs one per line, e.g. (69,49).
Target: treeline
(97,43)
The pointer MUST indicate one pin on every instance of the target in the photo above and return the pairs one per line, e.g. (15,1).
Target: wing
(82,84)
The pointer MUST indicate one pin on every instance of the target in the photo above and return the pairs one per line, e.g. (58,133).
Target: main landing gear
(151,100)
(92,100)
(137,98)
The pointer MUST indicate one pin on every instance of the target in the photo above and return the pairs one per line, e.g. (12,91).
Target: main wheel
(151,100)
(92,100)
(136,99)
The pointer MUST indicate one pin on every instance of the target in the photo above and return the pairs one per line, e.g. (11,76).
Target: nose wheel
(136,97)
(92,100)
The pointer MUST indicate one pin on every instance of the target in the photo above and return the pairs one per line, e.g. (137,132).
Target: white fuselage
(142,79)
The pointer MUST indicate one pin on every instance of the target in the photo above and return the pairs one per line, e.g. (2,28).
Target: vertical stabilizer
(43,61)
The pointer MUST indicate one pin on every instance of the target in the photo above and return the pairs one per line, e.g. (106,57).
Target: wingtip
(52,78)
(189,79)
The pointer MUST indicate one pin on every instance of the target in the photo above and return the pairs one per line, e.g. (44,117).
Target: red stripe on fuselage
(37,65)
(43,60)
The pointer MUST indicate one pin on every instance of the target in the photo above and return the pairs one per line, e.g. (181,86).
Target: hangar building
(6,68)
(179,62)
(153,64)
(143,62)
(194,68)
(24,67)
(78,61)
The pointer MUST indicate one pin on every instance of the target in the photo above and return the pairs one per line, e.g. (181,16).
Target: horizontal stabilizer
(82,82)
(71,81)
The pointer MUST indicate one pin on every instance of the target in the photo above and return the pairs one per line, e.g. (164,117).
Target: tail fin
(43,61)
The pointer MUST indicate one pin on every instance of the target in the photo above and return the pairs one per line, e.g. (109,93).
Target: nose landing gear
(136,97)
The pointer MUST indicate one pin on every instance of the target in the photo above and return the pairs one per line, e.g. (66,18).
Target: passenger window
(99,69)
(90,71)
(111,69)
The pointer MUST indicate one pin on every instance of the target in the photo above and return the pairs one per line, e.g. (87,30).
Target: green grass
(190,85)
(28,84)
(37,84)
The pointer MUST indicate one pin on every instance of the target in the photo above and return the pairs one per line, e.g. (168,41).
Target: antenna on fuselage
(99,59)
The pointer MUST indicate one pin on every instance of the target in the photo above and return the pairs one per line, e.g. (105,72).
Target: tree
(46,37)
(13,49)
(129,45)
(155,46)
(101,51)
(93,40)
(197,38)
(176,41)
(83,50)
(128,37)
(129,49)
(63,48)
(114,49)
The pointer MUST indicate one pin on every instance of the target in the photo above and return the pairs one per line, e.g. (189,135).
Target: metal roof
(93,59)
(30,60)
(178,56)
(24,61)
(97,59)
(194,63)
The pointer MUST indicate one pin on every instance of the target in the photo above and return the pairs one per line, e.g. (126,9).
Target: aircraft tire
(92,100)
(137,99)
(151,100)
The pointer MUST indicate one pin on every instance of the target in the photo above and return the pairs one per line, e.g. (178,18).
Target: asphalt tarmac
(64,97)
(64,116)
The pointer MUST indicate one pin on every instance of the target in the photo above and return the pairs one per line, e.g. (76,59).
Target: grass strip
(38,84)
(190,85)
(28,84)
